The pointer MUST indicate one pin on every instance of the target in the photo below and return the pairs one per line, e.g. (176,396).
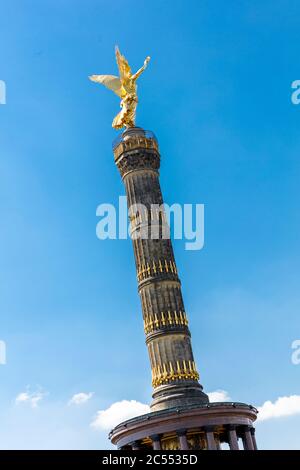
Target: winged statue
(125,87)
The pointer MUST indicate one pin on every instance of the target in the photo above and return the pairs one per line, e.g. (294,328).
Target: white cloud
(218,395)
(80,398)
(126,409)
(118,412)
(283,406)
(30,398)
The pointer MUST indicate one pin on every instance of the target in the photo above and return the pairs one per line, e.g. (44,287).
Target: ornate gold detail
(168,372)
(157,321)
(170,443)
(155,268)
(125,87)
(196,441)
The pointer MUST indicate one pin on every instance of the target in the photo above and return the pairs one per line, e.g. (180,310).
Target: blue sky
(217,94)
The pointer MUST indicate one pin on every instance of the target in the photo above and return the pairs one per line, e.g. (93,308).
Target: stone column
(135,445)
(247,438)
(181,433)
(174,373)
(155,442)
(232,438)
(210,438)
(252,430)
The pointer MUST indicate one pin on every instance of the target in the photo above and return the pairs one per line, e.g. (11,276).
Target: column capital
(209,428)
(181,432)
(155,437)
(230,427)
(246,427)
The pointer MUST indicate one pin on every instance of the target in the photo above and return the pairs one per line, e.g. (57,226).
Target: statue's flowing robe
(126,116)
(128,93)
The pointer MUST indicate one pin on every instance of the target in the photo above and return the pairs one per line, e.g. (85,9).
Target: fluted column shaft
(183,443)
(135,445)
(232,438)
(210,438)
(252,430)
(174,373)
(247,438)
(156,445)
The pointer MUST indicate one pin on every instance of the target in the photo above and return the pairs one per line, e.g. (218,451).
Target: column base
(172,396)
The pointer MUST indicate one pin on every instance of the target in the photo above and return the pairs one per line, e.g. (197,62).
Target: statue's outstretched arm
(141,70)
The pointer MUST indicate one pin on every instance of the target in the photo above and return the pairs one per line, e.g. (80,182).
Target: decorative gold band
(157,321)
(155,268)
(168,372)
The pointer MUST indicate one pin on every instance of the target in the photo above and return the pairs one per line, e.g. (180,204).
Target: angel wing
(124,69)
(110,81)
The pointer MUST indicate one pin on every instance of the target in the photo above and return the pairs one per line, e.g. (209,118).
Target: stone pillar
(232,438)
(247,438)
(181,433)
(252,430)
(155,442)
(174,373)
(135,445)
(210,438)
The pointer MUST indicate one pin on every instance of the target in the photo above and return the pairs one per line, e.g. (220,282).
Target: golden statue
(125,87)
